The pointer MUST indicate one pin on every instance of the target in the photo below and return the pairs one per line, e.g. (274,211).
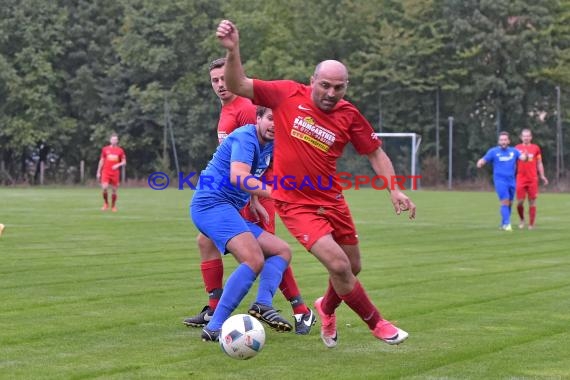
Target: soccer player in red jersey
(236,112)
(108,171)
(313,124)
(527,177)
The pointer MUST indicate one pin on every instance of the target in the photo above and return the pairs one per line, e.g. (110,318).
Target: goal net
(403,150)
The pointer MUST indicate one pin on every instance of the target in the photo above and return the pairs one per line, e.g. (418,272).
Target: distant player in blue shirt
(224,188)
(503,158)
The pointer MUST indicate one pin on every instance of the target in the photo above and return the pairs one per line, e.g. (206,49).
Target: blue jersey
(504,163)
(242,145)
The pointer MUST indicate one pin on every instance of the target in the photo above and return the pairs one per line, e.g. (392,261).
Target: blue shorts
(505,190)
(220,222)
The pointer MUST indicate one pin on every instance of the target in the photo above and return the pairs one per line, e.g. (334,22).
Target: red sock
(113,199)
(532,213)
(358,301)
(291,292)
(331,300)
(213,275)
(105,197)
(520,209)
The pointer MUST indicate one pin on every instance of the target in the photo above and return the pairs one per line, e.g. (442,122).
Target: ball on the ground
(242,336)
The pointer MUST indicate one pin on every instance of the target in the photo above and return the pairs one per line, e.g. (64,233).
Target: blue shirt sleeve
(489,156)
(243,149)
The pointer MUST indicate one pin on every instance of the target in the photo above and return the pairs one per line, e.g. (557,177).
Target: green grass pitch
(86,294)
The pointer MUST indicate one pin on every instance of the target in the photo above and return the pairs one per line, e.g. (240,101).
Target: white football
(242,336)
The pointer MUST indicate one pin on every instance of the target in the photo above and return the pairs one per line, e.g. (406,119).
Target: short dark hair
(504,133)
(260,111)
(216,64)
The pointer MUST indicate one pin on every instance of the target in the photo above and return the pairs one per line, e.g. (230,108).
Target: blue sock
(505,214)
(269,279)
(236,287)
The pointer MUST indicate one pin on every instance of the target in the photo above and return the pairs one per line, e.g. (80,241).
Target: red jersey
(308,141)
(111,155)
(234,115)
(527,170)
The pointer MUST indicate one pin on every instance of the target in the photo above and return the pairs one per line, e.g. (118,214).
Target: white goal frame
(415,141)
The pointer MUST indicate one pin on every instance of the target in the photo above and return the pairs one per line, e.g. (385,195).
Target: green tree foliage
(93,89)
(32,111)
(504,45)
(163,49)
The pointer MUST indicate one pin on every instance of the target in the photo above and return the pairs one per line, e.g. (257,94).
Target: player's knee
(283,250)
(202,241)
(339,267)
(356,268)
(255,263)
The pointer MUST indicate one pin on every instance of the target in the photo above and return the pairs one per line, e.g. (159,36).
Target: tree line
(73,71)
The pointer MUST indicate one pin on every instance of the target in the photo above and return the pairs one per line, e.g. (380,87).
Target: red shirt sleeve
(226,125)
(362,135)
(103,153)
(271,93)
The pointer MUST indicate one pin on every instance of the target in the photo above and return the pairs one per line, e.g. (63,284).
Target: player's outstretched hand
(401,202)
(258,210)
(227,34)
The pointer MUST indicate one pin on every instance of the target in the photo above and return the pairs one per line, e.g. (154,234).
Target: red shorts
(309,223)
(269,205)
(527,187)
(112,179)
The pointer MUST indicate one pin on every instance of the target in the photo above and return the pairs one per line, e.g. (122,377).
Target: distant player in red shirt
(527,177)
(109,170)
(236,112)
(313,124)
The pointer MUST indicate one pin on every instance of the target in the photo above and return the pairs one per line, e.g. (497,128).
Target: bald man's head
(329,83)
(331,68)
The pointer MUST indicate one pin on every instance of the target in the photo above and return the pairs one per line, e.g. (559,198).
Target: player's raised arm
(383,167)
(234,75)
(481,163)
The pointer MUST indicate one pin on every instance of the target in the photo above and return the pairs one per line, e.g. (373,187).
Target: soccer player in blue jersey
(223,189)
(504,160)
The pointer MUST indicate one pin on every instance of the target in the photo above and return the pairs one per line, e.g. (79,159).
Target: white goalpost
(415,141)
